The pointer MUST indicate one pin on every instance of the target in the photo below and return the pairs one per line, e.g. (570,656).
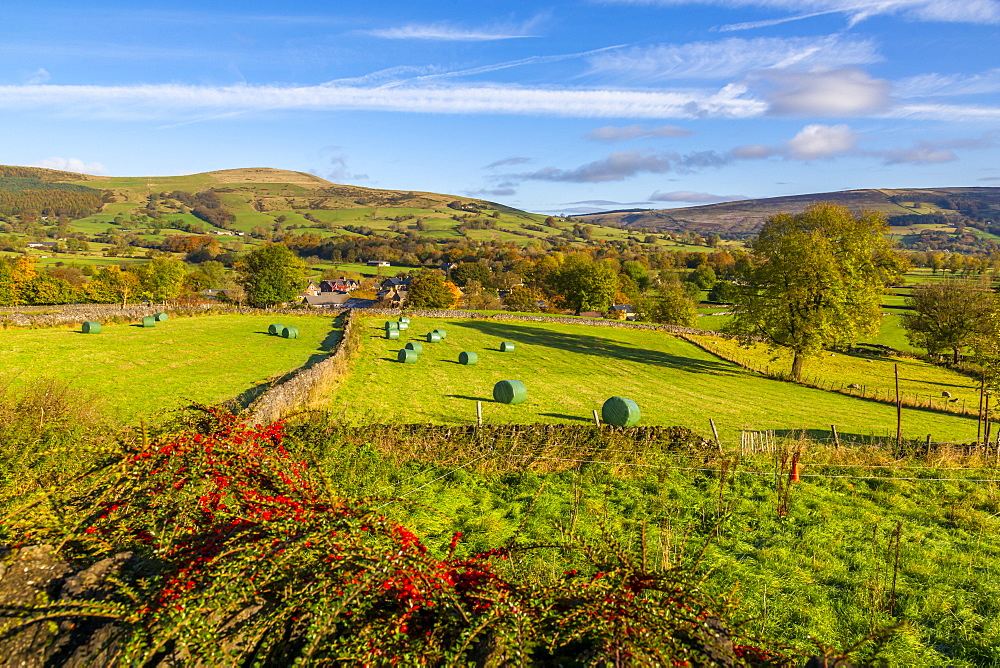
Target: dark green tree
(271,275)
(815,279)
(472,271)
(673,307)
(946,315)
(582,284)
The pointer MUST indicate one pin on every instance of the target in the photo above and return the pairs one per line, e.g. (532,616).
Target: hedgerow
(243,555)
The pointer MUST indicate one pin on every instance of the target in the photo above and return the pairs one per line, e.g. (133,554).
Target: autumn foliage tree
(430,290)
(815,279)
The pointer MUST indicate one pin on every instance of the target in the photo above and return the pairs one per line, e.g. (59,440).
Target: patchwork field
(140,373)
(570,370)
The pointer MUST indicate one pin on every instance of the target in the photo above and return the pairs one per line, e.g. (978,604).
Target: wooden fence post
(597,420)
(479,413)
(836,438)
(715,432)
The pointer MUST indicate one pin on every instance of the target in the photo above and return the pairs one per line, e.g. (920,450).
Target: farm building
(326,299)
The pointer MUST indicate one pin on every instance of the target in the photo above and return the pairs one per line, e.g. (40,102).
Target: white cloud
(822,141)
(960,11)
(848,91)
(613,133)
(71,165)
(732,57)
(169,100)
(694,197)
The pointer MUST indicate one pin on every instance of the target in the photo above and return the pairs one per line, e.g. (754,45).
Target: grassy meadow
(141,372)
(570,370)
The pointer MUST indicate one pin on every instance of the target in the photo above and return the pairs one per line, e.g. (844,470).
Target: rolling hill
(745,218)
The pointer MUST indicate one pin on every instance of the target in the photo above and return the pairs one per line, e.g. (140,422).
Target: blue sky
(565,106)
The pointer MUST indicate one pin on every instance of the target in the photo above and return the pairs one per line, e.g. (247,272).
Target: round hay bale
(389,324)
(290,333)
(402,326)
(407,356)
(510,392)
(443,334)
(415,346)
(275,329)
(403,318)
(621,412)
(148,321)
(91,328)
(433,337)
(506,347)
(160,317)
(468,358)
(392,334)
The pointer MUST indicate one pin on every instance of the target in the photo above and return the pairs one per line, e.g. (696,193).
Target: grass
(917,379)
(570,370)
(140,373)
(822,572)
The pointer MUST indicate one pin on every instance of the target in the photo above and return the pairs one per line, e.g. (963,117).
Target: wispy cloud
(928,85)
(953,11)
(693,197)
(613,133)
(447,32)
(732,57)
(170,100)
(493,192)
(515,160)
(71,165)
(39,76)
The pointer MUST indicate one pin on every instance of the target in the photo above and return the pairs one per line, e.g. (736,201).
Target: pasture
(570,370)
(142,372)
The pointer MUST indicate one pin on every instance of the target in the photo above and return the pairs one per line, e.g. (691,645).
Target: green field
(570,370)
(140,373)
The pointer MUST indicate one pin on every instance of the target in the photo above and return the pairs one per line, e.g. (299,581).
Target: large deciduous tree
(814,279)
(945,316)
(430,290)
(271,275)
(582,284)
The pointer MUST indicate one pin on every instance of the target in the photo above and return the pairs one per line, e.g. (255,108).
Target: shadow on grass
(564,416)
(586,344)
(463,396)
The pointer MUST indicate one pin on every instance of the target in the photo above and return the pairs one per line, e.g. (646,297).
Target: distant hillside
(745,218)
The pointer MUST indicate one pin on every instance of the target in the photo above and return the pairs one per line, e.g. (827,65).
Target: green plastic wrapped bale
(160,317)
(91,328)
(389,324)
(403,318)
(402,326)
(392,334)
(148,321)
(415,346)
(443,334)
(510,392)
(407,356)
(621,412)
(433,337)
(275,329)
(290,333)
(468,358)
(506,347)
